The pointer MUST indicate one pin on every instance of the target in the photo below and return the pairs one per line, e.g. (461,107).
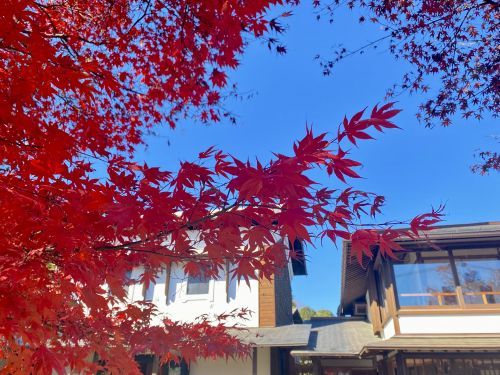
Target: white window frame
(198,297)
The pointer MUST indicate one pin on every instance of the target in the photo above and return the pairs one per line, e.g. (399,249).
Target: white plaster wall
(263,361)
(220,366)
(182,307)
(388,330)
(233,367)
(449,324)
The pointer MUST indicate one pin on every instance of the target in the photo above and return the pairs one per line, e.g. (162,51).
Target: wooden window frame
(461,306)
(389,308)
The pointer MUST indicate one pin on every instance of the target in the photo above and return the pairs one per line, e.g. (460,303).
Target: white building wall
(233,367)
(263,361)
(449,324)
(182,307)
(388,330)
(220,367)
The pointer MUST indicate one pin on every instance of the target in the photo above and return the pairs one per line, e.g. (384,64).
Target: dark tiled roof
(291,335)
(337,337)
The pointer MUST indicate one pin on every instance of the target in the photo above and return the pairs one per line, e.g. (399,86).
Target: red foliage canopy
(452,50)
(80,82)
(454,41)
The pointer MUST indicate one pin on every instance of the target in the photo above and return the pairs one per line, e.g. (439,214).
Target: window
(149,365)
(198,284)
(146,363)
(173,368)
(425,279)
(448,278)
(479,274)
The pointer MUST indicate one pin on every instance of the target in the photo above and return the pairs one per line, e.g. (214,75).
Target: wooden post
(400,365)
(374,303)
(254,361)
(485,300)
(391,298)
(316,366)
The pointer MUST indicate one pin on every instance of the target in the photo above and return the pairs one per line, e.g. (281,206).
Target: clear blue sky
(414,168)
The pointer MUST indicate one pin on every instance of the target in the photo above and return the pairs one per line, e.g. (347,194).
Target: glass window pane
(480,280)
(421,284)
(197,284)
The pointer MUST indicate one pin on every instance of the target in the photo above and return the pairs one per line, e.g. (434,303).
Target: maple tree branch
(187,225)
(494,4)
(148,4)
(397,31)
(126,245)
(199,258)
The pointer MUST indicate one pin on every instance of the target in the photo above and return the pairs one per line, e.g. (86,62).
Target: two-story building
(434,309)
(270,328)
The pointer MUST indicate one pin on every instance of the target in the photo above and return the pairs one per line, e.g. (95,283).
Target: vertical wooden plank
(391,297)
(267,303)
(460,295)
(167,282)
(374,305)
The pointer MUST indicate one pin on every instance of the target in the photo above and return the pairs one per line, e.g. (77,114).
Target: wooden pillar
(316,365)
(374,303)
(400,365)
(254,361)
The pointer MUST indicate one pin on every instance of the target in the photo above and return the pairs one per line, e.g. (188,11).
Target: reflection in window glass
(197,284)
(480,280)
(428,283)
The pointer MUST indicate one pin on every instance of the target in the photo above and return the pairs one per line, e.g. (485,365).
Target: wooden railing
(440,295)
(483,295)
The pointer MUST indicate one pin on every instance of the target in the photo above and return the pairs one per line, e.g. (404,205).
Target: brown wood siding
(267,303)
(374,304)
(391,297)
